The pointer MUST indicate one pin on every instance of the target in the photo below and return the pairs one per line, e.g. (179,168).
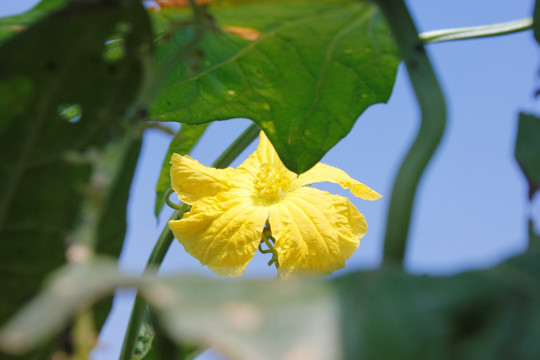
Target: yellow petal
(192,181)
(222,232)
(265,154)
(315,231)
(322,172)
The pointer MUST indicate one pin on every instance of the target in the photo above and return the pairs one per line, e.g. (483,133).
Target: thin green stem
(475,32)
(433,108)
(239,145)
(166,237)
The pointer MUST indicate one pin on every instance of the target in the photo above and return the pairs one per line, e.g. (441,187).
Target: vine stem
(475,32)
(166,237)
(433,120)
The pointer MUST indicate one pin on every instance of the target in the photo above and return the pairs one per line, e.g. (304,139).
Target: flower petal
(193,181)
(322,172)
(223,231)
(265,154)
(315,231)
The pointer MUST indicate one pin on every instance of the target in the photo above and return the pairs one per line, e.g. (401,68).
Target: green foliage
(490,314)
(12,25)
(310,69)
(528,151)
(112,222)
(477,315)
(183,143)
(303,71)
(46,160)
(249,319)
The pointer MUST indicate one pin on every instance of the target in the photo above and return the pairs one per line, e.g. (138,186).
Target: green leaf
(11,25)
(477,315)
(183,143)
(490,314)
(16,96)
(245,319)
(304,71)
(528,150)
(55,64)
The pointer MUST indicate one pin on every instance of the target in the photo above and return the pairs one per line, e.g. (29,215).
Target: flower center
(270,182)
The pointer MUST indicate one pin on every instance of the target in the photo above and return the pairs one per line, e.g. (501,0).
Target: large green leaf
(183,142)
(245,319)
(304,71)
(490,314)
(384,314)
(59,63)
(528,150)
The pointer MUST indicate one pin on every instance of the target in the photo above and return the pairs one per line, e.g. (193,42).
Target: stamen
(270,182)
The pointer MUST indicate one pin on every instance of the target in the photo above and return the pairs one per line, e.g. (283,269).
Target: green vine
(433,121)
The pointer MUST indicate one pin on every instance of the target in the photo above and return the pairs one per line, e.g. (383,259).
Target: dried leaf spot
(179,3)
(242,316)
(18,27)
(249,34)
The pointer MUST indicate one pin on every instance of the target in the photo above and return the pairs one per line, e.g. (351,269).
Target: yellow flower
(315,231)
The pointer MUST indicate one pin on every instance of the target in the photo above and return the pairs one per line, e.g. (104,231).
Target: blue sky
(471,209)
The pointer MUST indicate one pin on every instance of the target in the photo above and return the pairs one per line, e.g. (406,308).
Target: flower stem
(476,31)
(433,120)
(166,237)
(239,145)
